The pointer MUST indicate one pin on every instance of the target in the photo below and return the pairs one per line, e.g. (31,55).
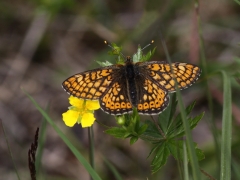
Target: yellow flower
(81,111)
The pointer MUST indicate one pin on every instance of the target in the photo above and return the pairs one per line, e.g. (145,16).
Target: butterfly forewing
(90,84)
(160,73)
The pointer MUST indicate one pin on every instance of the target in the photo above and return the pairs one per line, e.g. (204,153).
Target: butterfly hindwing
(115,101)
(152,98)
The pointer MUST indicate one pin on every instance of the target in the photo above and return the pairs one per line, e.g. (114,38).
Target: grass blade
(226,129)
(42,138)
(112,169)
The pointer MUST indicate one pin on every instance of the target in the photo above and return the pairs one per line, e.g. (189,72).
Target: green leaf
(154,149)
(177,129)
(104,64)
(190,107)
(138,55)
(152,131)
(148,56)
(194,121)
(133,139)
(117,132)
(187,110)
(176,148)
(199,153)
(165,118)
(142,129)
(116,50)
(160,159)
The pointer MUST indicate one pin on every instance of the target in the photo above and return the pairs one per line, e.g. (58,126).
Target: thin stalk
(91,143)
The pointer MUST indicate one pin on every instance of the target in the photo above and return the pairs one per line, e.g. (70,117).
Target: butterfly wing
(115,101)
(160,73)
(152,99)
(91,84)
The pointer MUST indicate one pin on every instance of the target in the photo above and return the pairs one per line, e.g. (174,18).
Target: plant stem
(91,146)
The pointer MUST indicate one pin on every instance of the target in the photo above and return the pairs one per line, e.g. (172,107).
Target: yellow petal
(87,120)
(76,102)
(70,117)
(92,105)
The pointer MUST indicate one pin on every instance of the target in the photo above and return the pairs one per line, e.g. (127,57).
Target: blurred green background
(43,42)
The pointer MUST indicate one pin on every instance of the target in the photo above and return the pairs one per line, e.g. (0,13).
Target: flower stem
(91,146)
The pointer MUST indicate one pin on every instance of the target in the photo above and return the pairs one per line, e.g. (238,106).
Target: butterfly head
(128,59)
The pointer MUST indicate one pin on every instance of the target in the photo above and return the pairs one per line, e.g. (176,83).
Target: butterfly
(143,85)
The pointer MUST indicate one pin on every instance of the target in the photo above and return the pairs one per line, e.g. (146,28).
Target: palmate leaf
(118,132)
(173,129)
(151,134)
(170,147)
(176,149)
(176,129)
(161,156)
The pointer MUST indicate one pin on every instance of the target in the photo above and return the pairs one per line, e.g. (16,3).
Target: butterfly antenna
(148,45)
(109,45)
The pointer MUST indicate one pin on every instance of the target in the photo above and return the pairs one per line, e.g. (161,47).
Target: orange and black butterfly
(144,85)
